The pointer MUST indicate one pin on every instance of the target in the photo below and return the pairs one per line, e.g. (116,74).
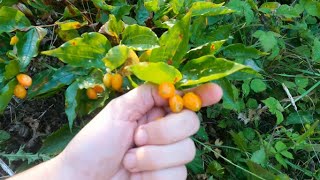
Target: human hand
(124,141)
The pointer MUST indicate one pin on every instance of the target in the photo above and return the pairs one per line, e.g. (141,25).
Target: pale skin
(133,138)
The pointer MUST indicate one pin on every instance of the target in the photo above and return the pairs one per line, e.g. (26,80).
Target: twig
(6,168)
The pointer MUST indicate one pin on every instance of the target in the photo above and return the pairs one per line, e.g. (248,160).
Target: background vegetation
(265,55)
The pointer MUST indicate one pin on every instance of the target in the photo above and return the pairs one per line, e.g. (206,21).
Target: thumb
(102,143)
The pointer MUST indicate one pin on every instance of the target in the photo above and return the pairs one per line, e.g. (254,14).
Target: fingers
(154,114)
(148,158)
(175,173)
(209,93)
(168,130)
(134,104)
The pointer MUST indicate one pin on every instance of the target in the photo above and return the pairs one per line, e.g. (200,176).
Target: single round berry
(176,103)
(24,80)
(107,79)
(14,40)
(116,82)
(166,90)
(20,92)
(192,101)
(92,94)
(98,88)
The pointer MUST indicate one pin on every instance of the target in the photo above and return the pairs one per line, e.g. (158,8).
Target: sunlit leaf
(116,56)
(208,68)
(209,9)
(139,38)
(85,51)
(164,72)
(173,43)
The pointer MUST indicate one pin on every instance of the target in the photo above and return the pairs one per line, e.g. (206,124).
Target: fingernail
(130,161)
(141,137)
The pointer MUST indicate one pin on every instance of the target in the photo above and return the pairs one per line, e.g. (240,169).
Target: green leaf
(206,49)
(122,10)
(164,72)
(202,134)
(315,50)
(139,38)
(71,102)
(242,8)
(275,108)
(229,97)
(197,164)
(71,11)
(268,7)
(152,5)
(208,68)
(312,7)
(4,136)
(6,94)
(50,81)
(173,43)
(267,39)
(116,56)
(273,104)
(177,5)
(28,45)
(68,35)
(259,157)
(113,27)
(209,9)
(286,154)
(11,69)
(239,140)
(102,4)
(142,13)
(85,51)
(257,85)
(280,146)
(12,19)
(288,11)
(8,2)
(301,82)
(260,171)
(70,24)
(240,51)
(216,169)
(299,117)
(57,141)
(308,133)
(280,159)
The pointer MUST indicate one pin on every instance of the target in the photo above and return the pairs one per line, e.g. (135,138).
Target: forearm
(49,170)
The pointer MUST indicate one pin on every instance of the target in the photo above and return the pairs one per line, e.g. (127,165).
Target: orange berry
(24,80)
(107,79)
(98,88)
(116,82)
(92,94)
(166,90)
(20,92)
(14,40)
(192,101)
(176,103)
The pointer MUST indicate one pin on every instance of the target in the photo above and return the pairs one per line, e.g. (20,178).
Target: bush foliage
(265,56)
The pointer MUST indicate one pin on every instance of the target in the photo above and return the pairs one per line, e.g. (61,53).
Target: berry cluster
(24,81)
(190,100)
(113,81)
